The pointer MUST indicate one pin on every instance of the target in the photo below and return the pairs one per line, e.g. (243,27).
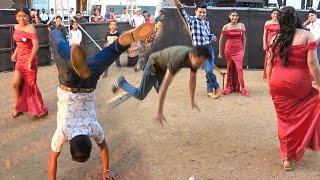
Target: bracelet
(108,170)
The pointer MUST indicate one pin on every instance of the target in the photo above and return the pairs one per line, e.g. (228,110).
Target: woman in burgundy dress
(271,28)
(26,93)
(291,66)
(232,47)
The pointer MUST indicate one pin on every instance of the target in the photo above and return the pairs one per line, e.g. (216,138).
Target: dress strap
(312,45)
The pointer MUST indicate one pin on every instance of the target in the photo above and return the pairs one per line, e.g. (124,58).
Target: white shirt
(137,20)
(44,17)
(124,17)
(51,16)
(314,28)
(75,37)
(76,116)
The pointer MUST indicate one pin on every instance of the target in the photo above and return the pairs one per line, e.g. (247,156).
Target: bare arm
(35,47)
(52,165)
(162,94)
(105,159)
(222,43)
(192,89)
(244,39)
(304,25)
(265,35)
(313,63)
(14,55)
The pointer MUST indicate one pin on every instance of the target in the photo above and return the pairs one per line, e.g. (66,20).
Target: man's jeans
(148,80)
(212,82)
(97,63)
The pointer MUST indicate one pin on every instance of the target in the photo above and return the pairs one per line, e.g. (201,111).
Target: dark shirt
(112,37)
(81,20)
(173,58)
(60,28)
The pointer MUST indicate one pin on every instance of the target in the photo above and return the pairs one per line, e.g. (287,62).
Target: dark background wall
(173,34)
(254,19)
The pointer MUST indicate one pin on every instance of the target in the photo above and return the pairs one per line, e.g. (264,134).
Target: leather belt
(76,90)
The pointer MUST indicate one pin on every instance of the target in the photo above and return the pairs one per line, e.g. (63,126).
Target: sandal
(285,166)
(16,114)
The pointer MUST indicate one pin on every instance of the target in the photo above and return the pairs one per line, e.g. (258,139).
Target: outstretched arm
(52,165)
(107,174)
(183,10)
(162,94)
(192,89)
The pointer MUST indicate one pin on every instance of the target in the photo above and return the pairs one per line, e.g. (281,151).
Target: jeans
(118,64)
(97,63)
(148,80)
(211,78)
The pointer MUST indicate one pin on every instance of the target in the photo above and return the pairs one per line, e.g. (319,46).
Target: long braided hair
(289,22)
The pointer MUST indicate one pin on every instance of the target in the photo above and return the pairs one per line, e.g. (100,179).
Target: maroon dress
(296,102)
(30,100)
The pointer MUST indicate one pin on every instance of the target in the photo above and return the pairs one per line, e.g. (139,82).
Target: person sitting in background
(58,25)
(125,16)
(96,17)
(34,17)
(111,36)
(51,15)
(110,16)
(44,17)
(75,35)
(79,18)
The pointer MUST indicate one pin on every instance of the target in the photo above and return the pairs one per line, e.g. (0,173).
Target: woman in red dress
(25,90)
(232,47)
(271,28)
(291,67)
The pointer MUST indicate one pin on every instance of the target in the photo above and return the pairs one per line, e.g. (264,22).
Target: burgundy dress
(271,30)
(234,57)
(30,99)
(296,102)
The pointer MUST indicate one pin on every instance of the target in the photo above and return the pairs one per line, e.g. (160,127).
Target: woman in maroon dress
(232,47)
(26,94)
(271,28)
(290,69)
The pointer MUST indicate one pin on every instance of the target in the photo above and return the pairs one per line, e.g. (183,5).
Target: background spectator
(125,16)
(79,18)
(58,26)
(110,16)
(75,35)
(44,17)
(96,17)
(137,19)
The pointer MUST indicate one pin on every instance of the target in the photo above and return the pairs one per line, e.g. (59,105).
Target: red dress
(271,30)
(234,57)
(297,104)
(30,99)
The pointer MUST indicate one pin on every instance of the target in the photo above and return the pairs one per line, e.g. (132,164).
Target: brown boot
(139,33)
(79,62)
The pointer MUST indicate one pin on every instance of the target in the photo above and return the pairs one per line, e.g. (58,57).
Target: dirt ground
(234,137)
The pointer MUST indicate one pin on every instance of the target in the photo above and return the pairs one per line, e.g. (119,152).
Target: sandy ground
(234,137)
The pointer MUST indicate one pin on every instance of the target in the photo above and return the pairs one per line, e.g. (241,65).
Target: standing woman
(232,47)
(26,94)
(271,28)
(290,69)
